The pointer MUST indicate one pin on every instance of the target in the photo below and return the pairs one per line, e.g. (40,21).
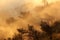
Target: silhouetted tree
(20,35)
(9,38)
(48,29)
(56,27)
(33,34)
(22,31)
(4,39)
(17,37)
(30,29)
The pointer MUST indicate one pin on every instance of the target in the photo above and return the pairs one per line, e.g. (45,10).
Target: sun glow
(37,2)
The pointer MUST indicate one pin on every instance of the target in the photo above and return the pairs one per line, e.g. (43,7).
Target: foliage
(33,34)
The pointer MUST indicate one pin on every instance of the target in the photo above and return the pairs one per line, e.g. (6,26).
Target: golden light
(12,28)
(37,2)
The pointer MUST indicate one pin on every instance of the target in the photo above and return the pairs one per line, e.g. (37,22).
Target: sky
(13,3)
(10,5)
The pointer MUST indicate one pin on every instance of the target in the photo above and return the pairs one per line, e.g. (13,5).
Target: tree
(17,37)
(50,30)
(9,38)
(33,34)
(56,27)
(45,27)
(20,35)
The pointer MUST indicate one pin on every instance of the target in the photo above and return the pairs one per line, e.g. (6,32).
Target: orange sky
(6,7)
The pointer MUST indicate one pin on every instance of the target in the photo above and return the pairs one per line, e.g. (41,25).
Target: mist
(16,14)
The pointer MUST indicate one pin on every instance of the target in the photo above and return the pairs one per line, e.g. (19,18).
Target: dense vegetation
(32,34)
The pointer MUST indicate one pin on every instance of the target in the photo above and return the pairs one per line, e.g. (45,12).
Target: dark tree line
(36,35)
(50,30)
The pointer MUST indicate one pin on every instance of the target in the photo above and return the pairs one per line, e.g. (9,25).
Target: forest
(49,32)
